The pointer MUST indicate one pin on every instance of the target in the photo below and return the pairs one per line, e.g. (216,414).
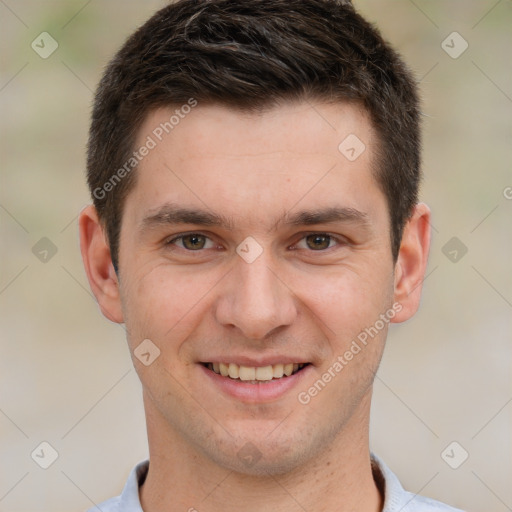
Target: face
(251,247)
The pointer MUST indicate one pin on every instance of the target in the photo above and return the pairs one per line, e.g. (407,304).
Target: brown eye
(193,242)
(318,242)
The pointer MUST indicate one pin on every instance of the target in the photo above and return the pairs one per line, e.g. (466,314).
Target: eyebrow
(172,214)
(326,216)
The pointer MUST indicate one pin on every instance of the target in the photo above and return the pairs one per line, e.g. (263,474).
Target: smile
(255,374)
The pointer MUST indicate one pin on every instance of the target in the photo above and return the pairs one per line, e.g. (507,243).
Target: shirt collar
(395,497)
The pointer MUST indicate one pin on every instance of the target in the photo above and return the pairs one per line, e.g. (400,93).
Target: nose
(256,300)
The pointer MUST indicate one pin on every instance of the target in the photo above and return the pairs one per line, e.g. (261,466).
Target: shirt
(396,499)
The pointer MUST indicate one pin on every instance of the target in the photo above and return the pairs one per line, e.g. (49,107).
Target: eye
(192,242)
(318,242)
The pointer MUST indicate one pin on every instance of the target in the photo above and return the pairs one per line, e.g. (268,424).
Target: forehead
(235,163)
(299,127)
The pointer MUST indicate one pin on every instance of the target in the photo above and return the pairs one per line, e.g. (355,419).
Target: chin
(261,454)
(252,461)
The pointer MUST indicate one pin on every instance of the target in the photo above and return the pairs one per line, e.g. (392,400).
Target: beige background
(65,373)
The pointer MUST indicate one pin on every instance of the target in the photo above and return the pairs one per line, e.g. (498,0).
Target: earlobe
(411,264)
(98,264)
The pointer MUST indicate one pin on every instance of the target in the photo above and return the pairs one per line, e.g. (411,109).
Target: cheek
(162,303)
(347,302)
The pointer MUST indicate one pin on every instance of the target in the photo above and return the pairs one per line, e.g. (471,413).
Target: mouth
(256,374)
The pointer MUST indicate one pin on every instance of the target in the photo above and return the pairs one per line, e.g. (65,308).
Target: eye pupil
(194,242)
(318,242)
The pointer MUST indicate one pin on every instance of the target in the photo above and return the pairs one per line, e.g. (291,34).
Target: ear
(412,262)
(98,264)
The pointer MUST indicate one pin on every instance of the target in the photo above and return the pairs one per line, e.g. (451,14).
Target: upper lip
(256,362)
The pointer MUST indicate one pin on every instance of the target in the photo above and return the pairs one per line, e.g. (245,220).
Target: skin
(210,304)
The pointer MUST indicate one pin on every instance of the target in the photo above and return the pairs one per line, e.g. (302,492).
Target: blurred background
(442,412)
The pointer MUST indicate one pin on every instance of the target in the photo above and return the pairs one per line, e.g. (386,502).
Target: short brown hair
(253,54)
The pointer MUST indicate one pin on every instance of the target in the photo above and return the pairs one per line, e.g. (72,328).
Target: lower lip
(267,391)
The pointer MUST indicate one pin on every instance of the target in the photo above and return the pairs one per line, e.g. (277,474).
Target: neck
(340,479)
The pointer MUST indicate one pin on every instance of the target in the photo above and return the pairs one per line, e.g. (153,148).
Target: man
(254,168)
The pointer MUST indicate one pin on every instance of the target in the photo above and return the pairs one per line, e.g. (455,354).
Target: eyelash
(339,241)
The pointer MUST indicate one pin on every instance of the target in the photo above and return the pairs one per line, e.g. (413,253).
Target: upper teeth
(241,372)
